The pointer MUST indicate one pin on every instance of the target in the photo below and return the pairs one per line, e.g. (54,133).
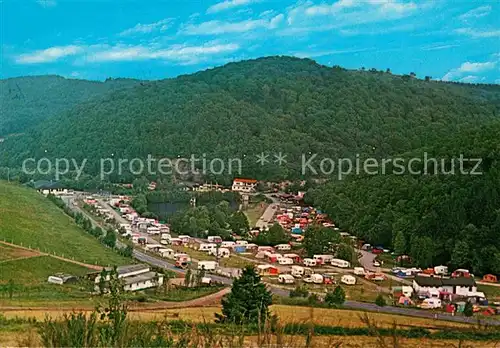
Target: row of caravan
(317,260)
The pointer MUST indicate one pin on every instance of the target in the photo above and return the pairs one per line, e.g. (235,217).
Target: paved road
(267,217)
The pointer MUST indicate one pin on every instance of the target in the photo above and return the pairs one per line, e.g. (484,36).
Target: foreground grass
(30,219)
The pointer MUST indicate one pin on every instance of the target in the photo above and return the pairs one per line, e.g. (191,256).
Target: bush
(380,300)
(299,291)
(313,299)
(335,297)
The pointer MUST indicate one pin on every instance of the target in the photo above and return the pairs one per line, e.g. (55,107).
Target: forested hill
(435,219)
(270,104)
(28,101)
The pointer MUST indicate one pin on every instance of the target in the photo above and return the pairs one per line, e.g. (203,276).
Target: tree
(346,252)
(460,256)
(320,240)
(239,223)
(187,278)
(335,297)
(380,300)
(109,239)
(468,309)
(274,236)
(248,300)
(400,243)
(10,288)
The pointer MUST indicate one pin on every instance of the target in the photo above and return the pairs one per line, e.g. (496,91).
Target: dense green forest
(266,105)
(29,101)
(433,218)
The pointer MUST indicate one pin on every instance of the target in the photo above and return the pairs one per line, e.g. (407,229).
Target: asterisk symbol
(280,158)
(262,158)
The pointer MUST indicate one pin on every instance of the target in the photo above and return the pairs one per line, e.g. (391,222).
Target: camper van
(167,253)
(359,271)
(214,239)
(297,271)
(185,239)
(207,265)
(228,244)
(283,247)
(348,279)
(286,279)
(431,303)
(322,259)
(166,236)
(221,252)
(207,246)
(309,262)
(285,261)
(340,263)
(441,270)
(241,242)
(314,278)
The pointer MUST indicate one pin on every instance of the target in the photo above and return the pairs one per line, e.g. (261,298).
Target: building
(436,286)
(244,185)
(134,277)
(53,187)
(61,278)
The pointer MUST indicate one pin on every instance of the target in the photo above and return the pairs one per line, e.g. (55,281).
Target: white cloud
(225,5)
(435,47)
(307,17)
(178,53)
(468,68)
(47,3)
(139,28)
(49,55)
(476,13)
(313,54)
(476,67)
(469,79)
(478,34)
(220,27)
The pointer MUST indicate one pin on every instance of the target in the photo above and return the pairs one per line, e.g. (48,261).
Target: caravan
(297,271)
(285,261)
(348,279)
(207,246)
(340,263)
(322,259)
(309,262)
(283,247)
(286,279)
(207,265)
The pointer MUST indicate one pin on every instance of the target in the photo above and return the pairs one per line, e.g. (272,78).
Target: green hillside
(436,219)
(28,101)
(29,219)
(270,104)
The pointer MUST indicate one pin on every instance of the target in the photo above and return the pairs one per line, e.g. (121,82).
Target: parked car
(376,263)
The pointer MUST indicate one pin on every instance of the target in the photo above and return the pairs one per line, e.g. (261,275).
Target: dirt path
(22,258)
(94,267)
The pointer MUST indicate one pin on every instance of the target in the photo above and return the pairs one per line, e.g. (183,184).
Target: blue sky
(94,39)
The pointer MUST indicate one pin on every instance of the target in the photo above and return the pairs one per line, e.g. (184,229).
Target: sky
(452,40)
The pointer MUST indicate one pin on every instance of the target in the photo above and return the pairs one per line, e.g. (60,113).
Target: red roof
(248,181)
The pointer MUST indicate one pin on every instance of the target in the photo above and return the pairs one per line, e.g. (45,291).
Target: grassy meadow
(29,219)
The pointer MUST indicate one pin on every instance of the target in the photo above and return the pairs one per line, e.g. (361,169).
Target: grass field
(491,292)
(30,219)
(254,212)
(286,314)
(29,277)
